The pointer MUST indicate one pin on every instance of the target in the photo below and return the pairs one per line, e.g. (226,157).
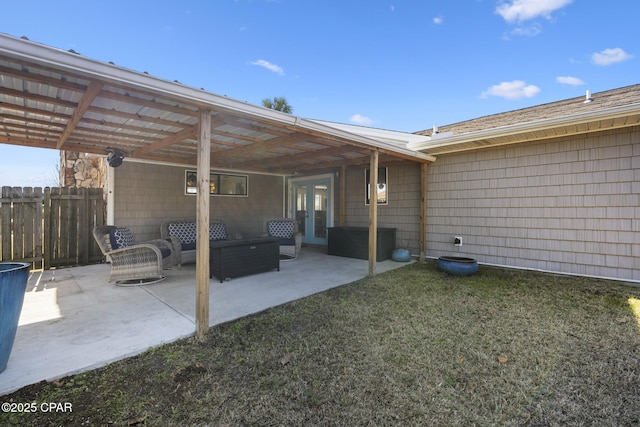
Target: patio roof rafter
(93,90)
(186,133)
(259,127)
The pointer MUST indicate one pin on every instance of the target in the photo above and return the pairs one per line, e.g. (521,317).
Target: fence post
(38,228)
(83,220)
(5,215)
(47,228)
(17,223)
(27,243)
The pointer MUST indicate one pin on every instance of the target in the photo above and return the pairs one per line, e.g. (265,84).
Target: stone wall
(82,170)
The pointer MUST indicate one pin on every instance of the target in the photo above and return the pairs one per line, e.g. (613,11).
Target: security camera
(114,157)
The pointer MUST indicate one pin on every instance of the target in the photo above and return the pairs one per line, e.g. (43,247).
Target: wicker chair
(286,229)
(135,264)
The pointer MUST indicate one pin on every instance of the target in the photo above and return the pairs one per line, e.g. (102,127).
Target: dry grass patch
(409,347)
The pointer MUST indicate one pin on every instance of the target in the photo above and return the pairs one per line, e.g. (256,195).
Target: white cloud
(269,66)
(568,80)
(530,31)
(610,56)
(523,10)
(360,120)
(392,8)
(512,90)
(438,20)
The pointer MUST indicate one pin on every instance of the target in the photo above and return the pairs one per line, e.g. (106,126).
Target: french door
(310,202)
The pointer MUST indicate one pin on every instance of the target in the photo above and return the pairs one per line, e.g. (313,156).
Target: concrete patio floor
(73,320)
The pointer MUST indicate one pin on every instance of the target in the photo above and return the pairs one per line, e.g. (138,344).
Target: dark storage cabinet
(234,258)
(353,242)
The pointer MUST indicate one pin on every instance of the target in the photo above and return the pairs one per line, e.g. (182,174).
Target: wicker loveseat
(184,232)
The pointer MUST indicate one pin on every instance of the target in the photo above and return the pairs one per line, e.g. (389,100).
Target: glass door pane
(300,203)
(311,206)
(320,211)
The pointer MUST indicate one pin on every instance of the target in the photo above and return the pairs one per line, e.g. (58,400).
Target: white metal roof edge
(390,136)
(89,68)
(574,119)
(326,127)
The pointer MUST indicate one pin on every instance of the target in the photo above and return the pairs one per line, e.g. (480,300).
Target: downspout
(343,196)
(423,211)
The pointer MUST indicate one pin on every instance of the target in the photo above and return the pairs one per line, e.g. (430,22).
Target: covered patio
(73,320)
(56,99)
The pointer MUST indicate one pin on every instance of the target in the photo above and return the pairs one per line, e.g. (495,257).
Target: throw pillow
(121,238)
(284,229)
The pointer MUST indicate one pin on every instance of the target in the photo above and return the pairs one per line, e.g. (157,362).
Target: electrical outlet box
(457,241)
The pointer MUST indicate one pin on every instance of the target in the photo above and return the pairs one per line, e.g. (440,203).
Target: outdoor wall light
(115,156)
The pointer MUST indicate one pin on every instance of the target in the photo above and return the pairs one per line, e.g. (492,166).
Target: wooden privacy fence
(50,228)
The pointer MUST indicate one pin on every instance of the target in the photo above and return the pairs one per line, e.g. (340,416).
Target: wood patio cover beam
(93,90)
(202,225)
(373,212)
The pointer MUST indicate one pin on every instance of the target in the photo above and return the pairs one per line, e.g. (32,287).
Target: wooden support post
(202,224)
(423,211)
(373,212)
(343,196)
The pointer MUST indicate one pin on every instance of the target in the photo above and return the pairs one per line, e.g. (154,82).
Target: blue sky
(393,64)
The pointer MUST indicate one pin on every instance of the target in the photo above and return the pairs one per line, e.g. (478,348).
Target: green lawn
(409,347)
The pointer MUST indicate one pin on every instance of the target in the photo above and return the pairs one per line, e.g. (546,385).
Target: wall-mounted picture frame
(220,184)
(383,186)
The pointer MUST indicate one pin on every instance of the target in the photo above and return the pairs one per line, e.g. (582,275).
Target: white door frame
(330,198)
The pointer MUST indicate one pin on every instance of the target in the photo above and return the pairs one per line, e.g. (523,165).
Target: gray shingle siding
(566,205)
(146,195)
(403,210)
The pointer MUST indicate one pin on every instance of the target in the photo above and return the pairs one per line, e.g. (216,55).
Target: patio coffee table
(234,258)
